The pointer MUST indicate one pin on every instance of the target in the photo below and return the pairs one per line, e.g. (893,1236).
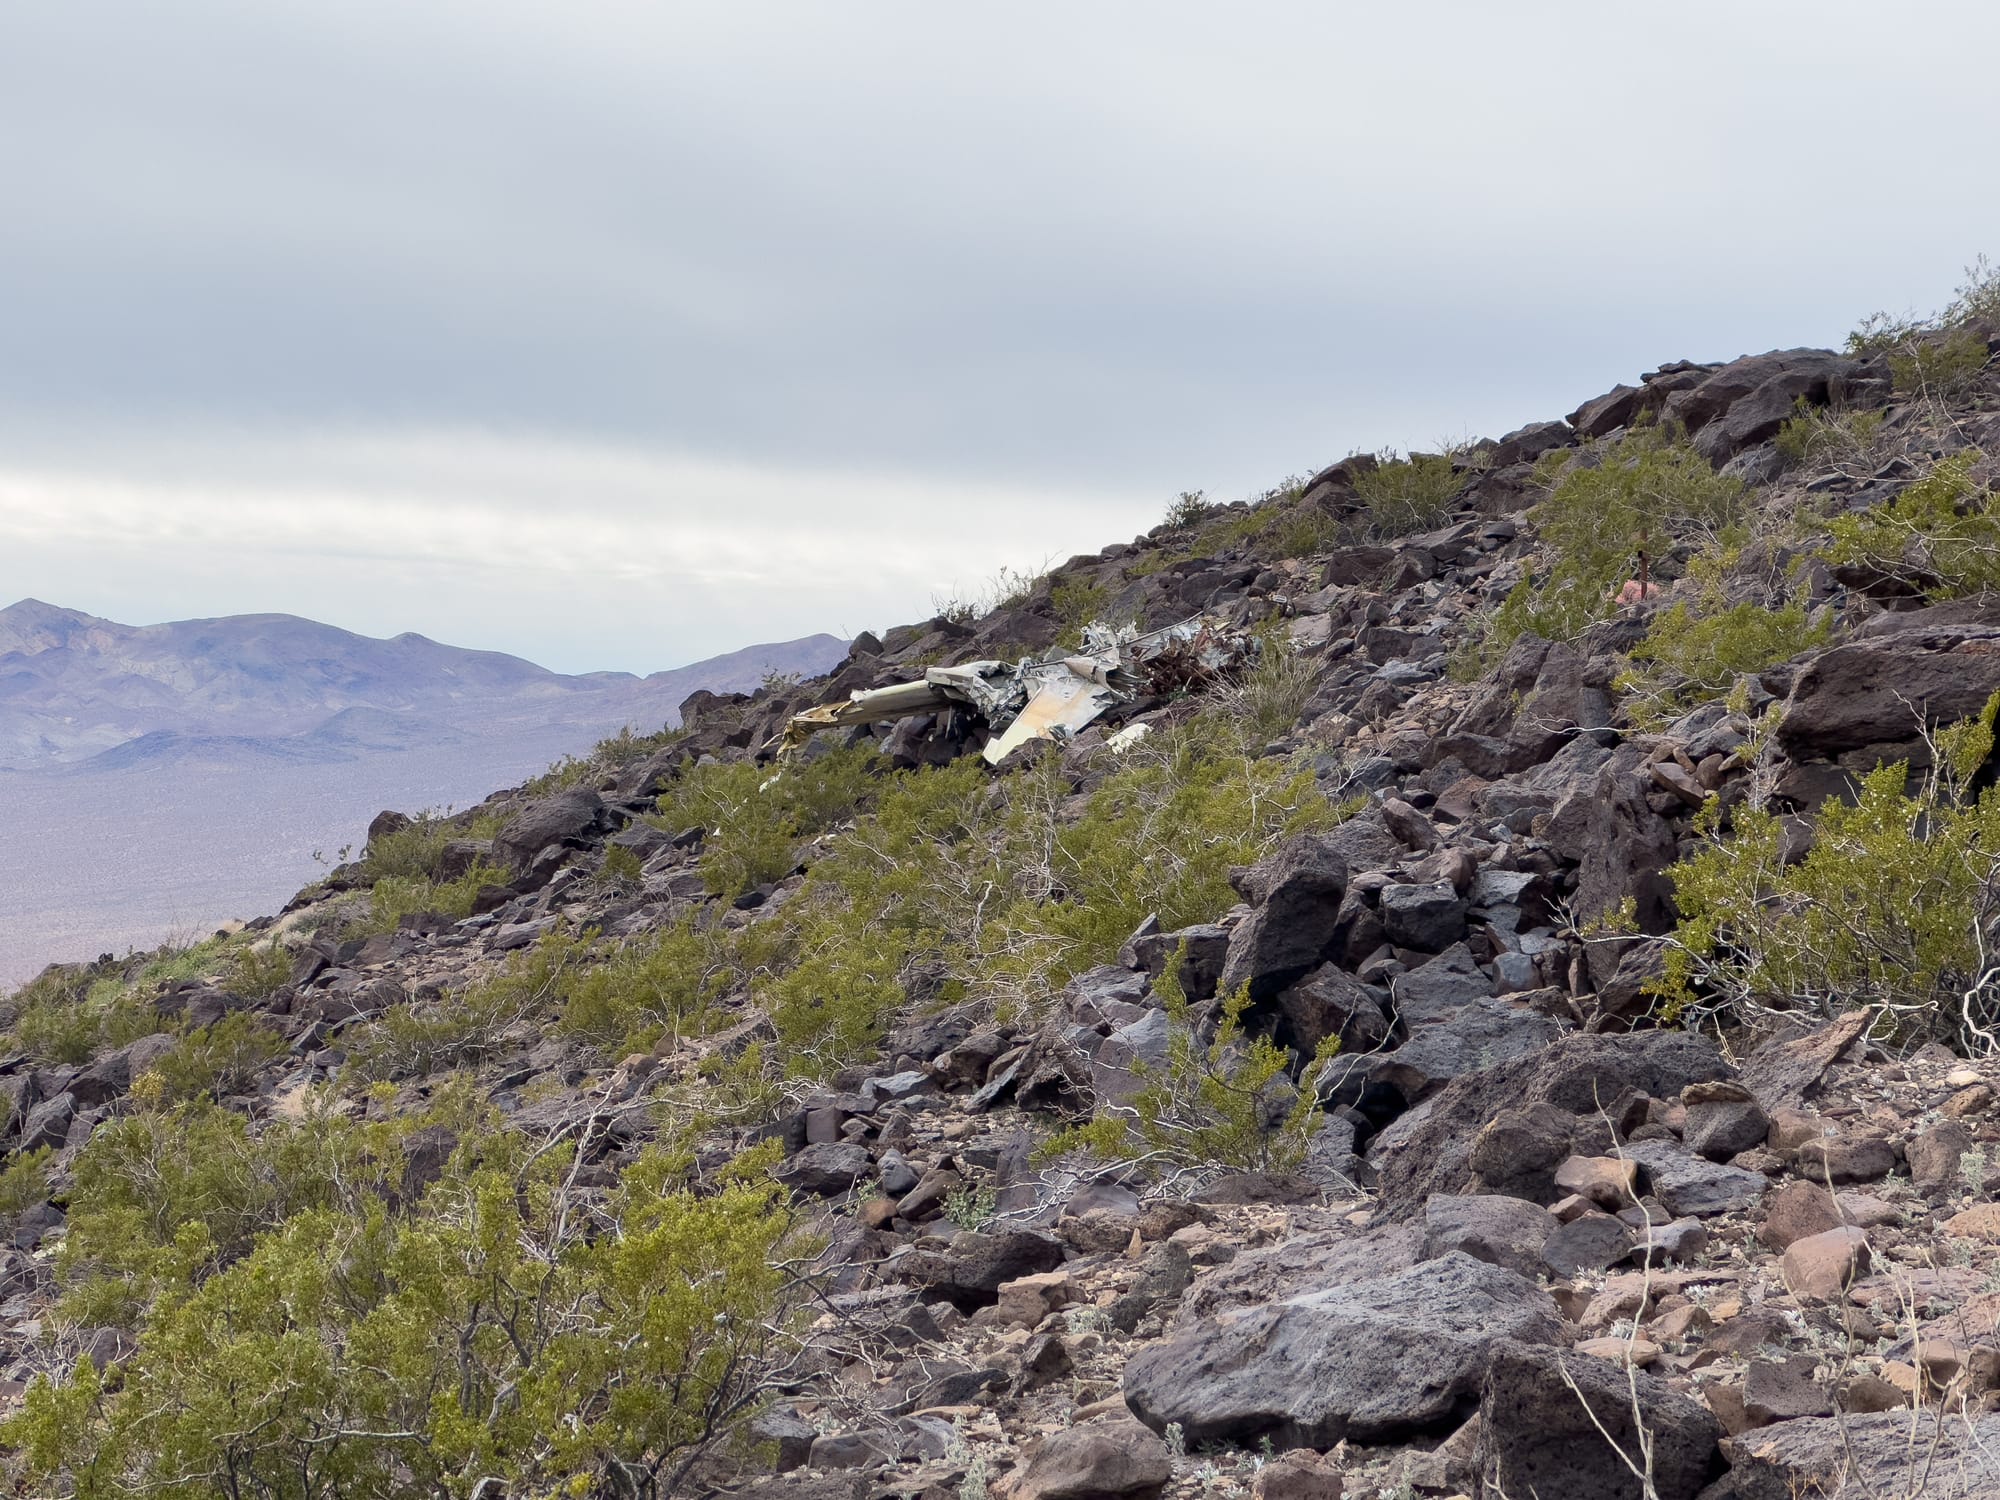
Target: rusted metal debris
(1053,698)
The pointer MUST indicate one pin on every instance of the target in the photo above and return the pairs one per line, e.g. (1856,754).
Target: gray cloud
(1102,252)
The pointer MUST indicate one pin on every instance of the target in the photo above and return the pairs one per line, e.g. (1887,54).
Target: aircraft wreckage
(1052,698)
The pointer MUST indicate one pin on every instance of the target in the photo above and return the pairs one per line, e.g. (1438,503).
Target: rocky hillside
(1529,1033)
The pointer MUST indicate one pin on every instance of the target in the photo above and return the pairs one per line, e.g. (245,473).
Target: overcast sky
(618,335)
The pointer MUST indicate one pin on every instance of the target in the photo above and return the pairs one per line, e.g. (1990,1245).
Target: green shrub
(393,897)
(1648,492)
(946,891)
(1078,601)
(621,867)
(755,820)
(494,1336)
(216,1060)
(24,1181)
(1895,905)
(1189,508)
(1694,653)
(1819,434)
(426,1036)
(1299,530)
(165,1198)
(1946,364)
(666,981)
(1266,701)
(1940,534)
(1407,495)
(68,1021)
(1225,1102)
(1944,353)
(260,971)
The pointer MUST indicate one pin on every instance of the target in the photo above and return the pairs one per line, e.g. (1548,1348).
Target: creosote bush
(955,886)
(1604,509)
(1406,495)
(217,1060)
(1940,535)
(1941,355)
(609,756)
(487,1334)
(1896,904)
(425,1036)
(755,821)
(1689,657)
(1819,434)
(668,981)
(1698,647)
(1227,1101)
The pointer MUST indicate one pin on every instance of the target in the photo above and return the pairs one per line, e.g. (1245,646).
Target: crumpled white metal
(1053,698)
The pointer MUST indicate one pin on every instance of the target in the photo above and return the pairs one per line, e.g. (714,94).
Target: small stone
(1791,1128)
(1609,1181)
(1721,1128)
(1961,1078)
(1976,1100)
(1845,1159)
(1298,1475)
(1866,1210)
(1980,1222)
(1935,1154)
(1681,1241)
(1822,1266)
(1590,1243)
(1779,1391)
(1865,1393)
(1796,1211)
(1099,1461)
(1681,1323)
(1641,1352)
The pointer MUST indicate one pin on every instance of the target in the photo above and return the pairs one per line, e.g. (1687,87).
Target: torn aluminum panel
(1052,699)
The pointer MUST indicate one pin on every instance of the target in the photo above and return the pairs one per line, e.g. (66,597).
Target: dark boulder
(1430,1149)
(568,818)
(1502,1231)
(1428,918)
(1297,893)
(1870,700)
(1555,1423)
(970,1271)
(1329,1002)
(1372,1362)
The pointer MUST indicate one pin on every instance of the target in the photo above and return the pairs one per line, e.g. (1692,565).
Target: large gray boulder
(1871,700)
(1938,1456)
(1475,1036)
(1548,1422)
(1431,1149)
(1371,1362)
(568,818)
(1502,1231)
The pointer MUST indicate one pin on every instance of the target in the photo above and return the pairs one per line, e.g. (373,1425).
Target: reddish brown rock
(1822,1266)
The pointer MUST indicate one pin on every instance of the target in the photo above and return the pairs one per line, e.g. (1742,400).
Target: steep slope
(1406,1062)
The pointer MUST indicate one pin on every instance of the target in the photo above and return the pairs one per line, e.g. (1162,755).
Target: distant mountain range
(76,690)
(144,770)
